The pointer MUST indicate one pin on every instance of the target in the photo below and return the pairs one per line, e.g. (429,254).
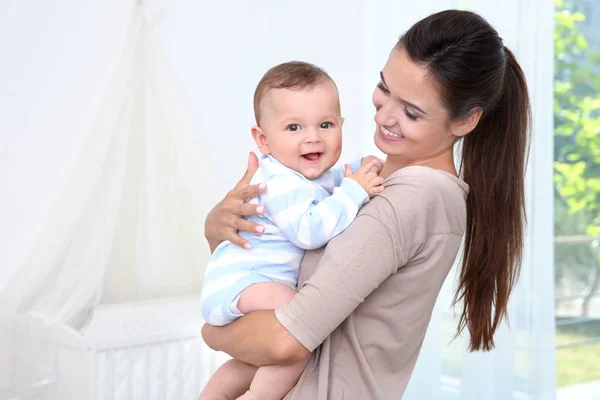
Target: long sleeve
(303,218)
(335,176)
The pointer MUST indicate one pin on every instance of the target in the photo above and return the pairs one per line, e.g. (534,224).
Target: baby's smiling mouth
(312,156)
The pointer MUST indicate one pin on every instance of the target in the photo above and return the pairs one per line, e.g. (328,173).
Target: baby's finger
(347,170)
(369,176)
(376,181)
(365,168)
(377,165)
(373,166)
(376,190)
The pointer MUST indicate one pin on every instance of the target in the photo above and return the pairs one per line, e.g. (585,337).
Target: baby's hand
(368,159)
(367,177)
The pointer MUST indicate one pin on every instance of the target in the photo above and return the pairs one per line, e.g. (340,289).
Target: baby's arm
(339,171)
(294,206)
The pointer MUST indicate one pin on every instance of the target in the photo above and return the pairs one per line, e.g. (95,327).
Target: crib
(149,350)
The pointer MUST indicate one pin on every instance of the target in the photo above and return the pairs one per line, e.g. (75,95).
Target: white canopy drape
(125,221)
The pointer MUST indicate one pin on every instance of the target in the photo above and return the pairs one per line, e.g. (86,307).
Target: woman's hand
(225,220)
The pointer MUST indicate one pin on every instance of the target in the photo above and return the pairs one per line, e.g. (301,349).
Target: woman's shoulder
(417,186)
(421,199)
(426,180)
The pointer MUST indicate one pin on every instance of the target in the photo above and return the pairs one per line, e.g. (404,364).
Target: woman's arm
(257,338)
(354,264)
(226,218)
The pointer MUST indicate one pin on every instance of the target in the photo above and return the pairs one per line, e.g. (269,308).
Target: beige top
(369,300)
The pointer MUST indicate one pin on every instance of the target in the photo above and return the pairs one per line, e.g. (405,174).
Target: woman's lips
(388,135)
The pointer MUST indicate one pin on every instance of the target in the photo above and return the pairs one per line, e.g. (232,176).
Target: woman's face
(412,124)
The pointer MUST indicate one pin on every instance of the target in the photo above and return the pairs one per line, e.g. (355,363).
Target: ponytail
(474,70)
(493,164)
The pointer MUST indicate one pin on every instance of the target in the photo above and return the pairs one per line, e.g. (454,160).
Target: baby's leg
(264,296)
(274,381)
(231,380)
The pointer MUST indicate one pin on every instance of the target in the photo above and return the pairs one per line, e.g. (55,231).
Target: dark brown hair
(289,75)
(473,69)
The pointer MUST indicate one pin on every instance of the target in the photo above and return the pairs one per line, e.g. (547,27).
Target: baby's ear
(261,140)
(342,122)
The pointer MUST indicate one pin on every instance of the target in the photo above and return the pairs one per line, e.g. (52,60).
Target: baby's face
(303,128)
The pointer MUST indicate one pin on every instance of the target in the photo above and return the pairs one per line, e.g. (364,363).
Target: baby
(307,203)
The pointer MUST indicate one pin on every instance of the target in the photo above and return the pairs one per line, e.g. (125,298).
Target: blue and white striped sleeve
(339,172)
(293,205)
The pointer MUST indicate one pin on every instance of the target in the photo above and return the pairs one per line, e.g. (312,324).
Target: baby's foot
(247,396)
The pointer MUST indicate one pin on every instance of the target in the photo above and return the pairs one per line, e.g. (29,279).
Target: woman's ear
(261,140)
(467,124)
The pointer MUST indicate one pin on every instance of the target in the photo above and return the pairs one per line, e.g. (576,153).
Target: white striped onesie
(300,214)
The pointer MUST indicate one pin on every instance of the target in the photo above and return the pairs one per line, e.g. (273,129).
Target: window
(577,197)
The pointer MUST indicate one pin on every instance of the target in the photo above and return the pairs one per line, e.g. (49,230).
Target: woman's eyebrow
(402,100)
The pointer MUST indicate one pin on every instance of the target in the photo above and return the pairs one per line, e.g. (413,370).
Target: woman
(365,301)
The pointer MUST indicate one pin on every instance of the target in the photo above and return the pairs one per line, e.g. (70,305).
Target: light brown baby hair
(294,75)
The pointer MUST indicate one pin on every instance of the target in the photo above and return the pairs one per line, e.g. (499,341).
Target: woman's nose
(384,115)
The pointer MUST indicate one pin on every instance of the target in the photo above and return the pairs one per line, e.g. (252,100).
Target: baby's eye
(293,127)
(326,125)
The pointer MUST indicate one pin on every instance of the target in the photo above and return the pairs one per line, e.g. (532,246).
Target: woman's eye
(293,127)
(326,125)
(410,115)
(382,87)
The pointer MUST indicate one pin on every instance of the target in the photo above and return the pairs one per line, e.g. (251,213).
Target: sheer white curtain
(123,123)
(124,216)
(123,224)
(55,69)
